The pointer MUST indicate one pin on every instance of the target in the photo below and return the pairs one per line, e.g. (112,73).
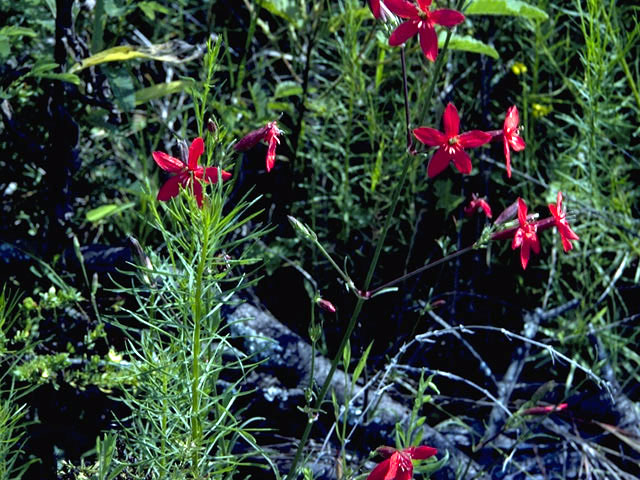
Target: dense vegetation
(230,318)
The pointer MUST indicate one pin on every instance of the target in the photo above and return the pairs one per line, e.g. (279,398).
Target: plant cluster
(355,204)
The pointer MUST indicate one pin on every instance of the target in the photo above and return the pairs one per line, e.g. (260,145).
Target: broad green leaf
(447,200)
(121,84)
(174,52)
(516,8)
(160,90)
(281,8)
(468,44)
(5,47)
(104,211)
(287,89)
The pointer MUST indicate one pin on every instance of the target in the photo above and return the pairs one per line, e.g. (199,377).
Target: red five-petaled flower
(511,137)
(525,237)
(187,173)
(421,21)
(451,143)
(566,234)
(398,465)
(477,204)
(269,133)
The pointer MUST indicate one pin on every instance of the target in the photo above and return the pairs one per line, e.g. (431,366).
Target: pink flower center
(404,462)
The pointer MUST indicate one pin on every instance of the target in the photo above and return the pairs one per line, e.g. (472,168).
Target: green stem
(196,427)
(374,262)
(420,270)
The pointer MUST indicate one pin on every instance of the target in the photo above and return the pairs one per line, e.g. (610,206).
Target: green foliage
(516,8)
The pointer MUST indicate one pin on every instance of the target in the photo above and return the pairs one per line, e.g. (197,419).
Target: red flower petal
(196,188)
(195,150)
(402,8)
(402,33)
(517,143)
(473,139)
(507,155)
(512,119)
(420,453)
(524,254)
(424,5)
(430,136)
(451,120)
(374,5)
(485,207)
(447,18)
(429,41)
(170,189)
(251,139)
(167,162)
(438,162)
(535,244)
(462,161)
(522,212)
(380,472)
(404,475)
(517,239)
(271,153)
(210,175)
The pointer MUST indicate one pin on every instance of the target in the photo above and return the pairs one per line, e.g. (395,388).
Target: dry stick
(622,404)
(552,351)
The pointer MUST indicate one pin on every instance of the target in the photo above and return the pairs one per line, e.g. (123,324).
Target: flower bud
(326,305)
(302,229)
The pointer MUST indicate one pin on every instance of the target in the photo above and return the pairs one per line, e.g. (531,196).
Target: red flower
(185,173)
(451,144)
(525,236)
(398,466)
(511,137)
(476,204)
(420,20)
(269,133)
(566,234)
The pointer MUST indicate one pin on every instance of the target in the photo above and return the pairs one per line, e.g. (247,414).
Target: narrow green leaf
(160,90)
(174,52)
(104,211)
(14,31)
(361,363)
(468,44)
(287,89)
(516,8)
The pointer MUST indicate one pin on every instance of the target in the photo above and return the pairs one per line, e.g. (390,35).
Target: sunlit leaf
(174,52)
(104,211)
(160,90)
(516,8)
(468,44)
